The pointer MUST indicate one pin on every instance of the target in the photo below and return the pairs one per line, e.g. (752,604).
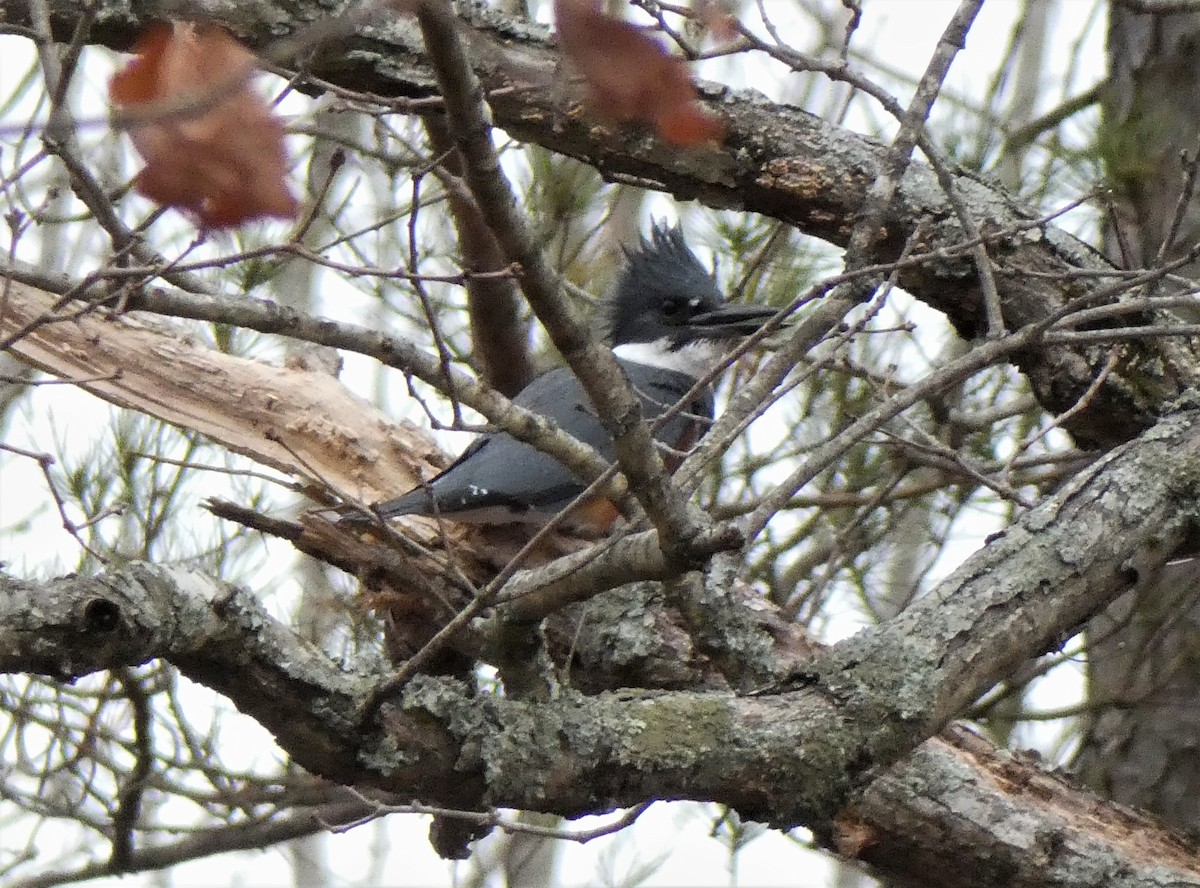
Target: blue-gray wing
(500,479)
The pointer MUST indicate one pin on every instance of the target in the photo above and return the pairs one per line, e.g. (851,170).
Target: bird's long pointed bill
(731,321)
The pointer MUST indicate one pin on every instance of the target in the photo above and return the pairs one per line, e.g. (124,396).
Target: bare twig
(129,797)
(495,820)
(678,522)
(44,462)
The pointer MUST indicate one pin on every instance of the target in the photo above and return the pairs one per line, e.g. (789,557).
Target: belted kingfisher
(668,325)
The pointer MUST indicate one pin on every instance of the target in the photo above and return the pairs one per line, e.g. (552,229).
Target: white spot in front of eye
(693,303)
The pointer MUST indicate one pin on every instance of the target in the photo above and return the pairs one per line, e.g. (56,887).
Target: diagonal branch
(499,335)
(253,835)
(802,754)
(778,161)
(679,523)
(79,344)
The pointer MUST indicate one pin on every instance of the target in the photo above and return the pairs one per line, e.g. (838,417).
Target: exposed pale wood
(322,431)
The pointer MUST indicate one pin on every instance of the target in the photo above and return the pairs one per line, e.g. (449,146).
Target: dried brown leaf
(210,143)
(631,76)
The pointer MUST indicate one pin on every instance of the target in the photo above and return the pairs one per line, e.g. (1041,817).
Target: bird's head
(667,310)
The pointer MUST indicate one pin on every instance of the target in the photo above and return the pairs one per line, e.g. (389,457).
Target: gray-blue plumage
(500,479)
(668,324)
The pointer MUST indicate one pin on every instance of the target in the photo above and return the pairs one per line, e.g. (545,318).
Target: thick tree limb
(297,421)
(77,345)
(1037,829)
(797,755)
(777,160)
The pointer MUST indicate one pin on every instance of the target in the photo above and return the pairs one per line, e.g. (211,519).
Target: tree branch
(253,835)
(778,161)
(77,344)
(499,335)
(797,755)
(678,522)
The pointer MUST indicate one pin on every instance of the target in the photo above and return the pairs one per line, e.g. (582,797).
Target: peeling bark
(278,416)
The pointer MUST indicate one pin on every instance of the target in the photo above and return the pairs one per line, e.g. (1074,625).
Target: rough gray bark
(777,160)
(1144,653)
(973,796)
(808,751)
(816,746)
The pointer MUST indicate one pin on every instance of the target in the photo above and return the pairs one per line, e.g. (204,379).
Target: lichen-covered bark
(1139,747)
(777,160)
(802,752)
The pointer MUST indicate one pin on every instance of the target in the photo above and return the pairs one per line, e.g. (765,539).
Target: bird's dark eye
(673,308)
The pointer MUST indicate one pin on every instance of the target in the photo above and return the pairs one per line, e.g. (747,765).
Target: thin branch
(253,835)
(44,461)
(495,820)
(129,797)
(678,522)
(864,238)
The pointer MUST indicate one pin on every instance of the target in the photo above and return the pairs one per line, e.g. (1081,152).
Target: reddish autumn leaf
(211,145)
(631,76)
(717,17)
